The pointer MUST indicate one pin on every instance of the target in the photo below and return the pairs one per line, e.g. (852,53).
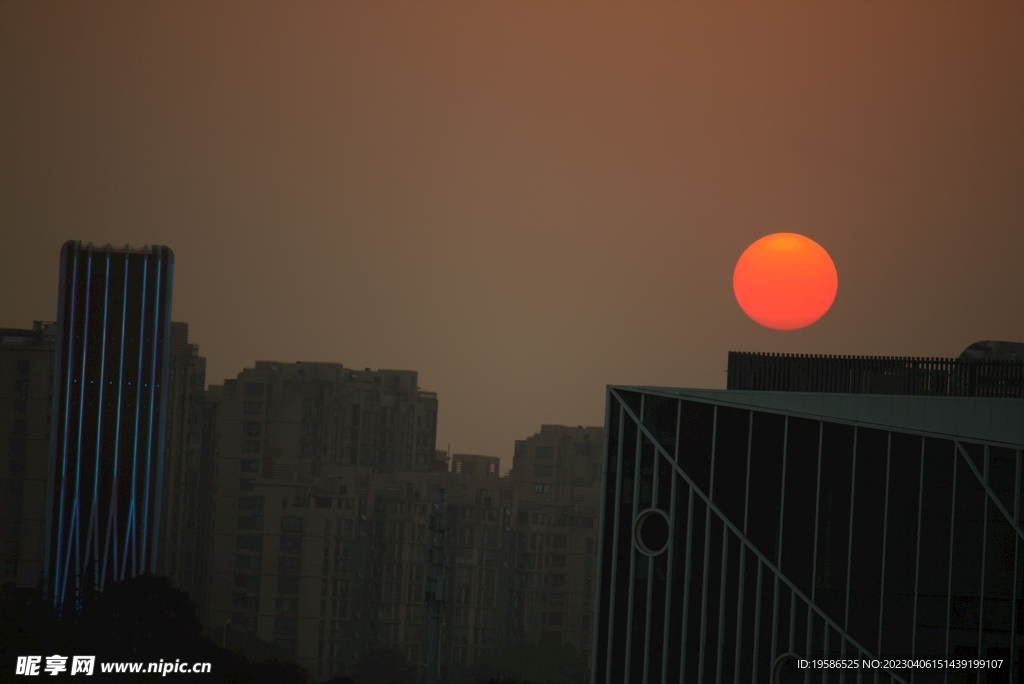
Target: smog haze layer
(523,201)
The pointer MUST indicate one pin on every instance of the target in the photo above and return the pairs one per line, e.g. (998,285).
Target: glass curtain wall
(731,537)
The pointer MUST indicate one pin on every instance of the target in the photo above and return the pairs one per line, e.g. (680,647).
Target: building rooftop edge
(988,419)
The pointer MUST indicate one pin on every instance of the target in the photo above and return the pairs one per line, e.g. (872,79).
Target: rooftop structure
(985,369)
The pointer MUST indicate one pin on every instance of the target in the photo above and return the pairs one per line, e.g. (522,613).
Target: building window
(248,582)
(543,471)
(248,562)
(252,408)
(288,585)
(542,489)
(288,564)
(250,502)
(250,446)
(323,502)
(254,389)
(250,522)
(558,580)
(250,465)
(291,544)
(247,603)
(252,428)
(287,605)
(250,542)
(543,453)
(554,619)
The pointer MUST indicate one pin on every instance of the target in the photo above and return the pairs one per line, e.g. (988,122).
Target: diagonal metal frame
(988,490)
(795,591)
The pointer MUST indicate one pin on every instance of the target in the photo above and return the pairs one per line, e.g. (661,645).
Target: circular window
(651,532)
(785,670)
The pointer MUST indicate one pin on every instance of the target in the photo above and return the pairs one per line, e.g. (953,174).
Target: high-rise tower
(108,418)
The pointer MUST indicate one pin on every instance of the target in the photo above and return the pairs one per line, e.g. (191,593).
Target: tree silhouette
(143,619)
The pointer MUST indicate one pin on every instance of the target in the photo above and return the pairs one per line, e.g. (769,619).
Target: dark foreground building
(107,429)
(740,526)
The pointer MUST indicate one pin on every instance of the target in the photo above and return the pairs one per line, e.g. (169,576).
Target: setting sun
(785,281)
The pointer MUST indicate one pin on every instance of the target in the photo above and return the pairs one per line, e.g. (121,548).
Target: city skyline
(468,190)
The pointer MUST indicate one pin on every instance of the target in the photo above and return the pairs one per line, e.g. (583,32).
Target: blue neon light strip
(92,538)
(110,545)
(67,556)
(166,295)
(49,552)
(58,577)
(130,538)
(81,418)
(152,400)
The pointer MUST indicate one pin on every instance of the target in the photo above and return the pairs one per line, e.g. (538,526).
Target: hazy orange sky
(523,201)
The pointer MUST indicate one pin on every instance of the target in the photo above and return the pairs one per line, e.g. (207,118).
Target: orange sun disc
(785,281)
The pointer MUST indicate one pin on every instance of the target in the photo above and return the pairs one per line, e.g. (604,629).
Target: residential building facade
(556,477)
(26,383)
(324,480)
(322,477)
(188,475)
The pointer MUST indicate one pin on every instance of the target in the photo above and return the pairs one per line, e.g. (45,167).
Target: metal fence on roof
(876,375)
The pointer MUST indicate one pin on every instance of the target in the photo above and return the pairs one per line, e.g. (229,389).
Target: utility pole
(436,589)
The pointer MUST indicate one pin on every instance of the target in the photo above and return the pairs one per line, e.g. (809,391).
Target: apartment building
(26,383)
(556,480)
(322,476)
(187,479)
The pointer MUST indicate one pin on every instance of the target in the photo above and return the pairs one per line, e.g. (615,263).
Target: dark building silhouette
(325,477)
(985,369)
(739,526)
(556,478)
(26,381)
(108,417)
(188,472)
